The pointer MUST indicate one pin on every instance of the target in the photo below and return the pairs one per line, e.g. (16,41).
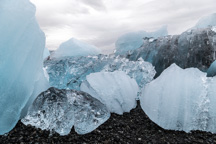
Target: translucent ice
(59,110)
(74,47)
(134,40)
(46,53)
(212,70)
(206,21)
(115,89)
(68,73)
(181,100)
(21,58)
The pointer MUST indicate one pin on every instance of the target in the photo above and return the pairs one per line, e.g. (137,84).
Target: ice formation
(115,89)
(206,21)
(21,58)
(59,110)
(212,70)
(194,48)
(46,53)
(134,40)
(181,100)
(74,47)
(68,73)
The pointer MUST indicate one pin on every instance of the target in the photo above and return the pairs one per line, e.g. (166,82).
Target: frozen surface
(194,48)
(115,89)
(59,110)
(74,47)
(21,58)
(206,21)
(181,100)
(212,70)
(46,53)
(68,73)
(134,40)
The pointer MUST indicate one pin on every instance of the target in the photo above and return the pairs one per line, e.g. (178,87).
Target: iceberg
(194,48)
(59,110)
(70,72)
(134,40)
(181,99)
(74,47)
(21,60)
(206,21)
(212,70)
(114,89)
(46,53)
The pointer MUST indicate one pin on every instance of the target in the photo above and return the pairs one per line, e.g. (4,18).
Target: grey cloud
(96,4)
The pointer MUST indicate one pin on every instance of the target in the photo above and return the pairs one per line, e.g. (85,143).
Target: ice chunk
(212,70)
(21,60)
(134,40)
(115,89)
(206,21)
(46,53)
(58,110)
(181,100)
(194,48)
(68,73)
(74,47)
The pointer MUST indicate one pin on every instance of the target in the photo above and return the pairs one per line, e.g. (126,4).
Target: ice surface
(46,53)
(194,48)
(115,89)
(134,40)
(181,100)
(212,70)
(59,110)
(21,58)
(206,21)
(74,47)
(68,73)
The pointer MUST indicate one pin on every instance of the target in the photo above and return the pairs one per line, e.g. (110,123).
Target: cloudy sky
(101,22)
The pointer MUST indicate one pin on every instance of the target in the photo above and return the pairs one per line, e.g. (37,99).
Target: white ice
(74,47)
(21,60)
(115,89)
(46,53)
(206,21)
(181,100)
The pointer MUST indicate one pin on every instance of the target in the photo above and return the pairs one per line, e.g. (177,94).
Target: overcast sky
(101,22)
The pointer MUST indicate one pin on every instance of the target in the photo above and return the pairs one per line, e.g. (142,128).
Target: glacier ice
(181,99)
(46,53)
(115,89)
(21,60)
(74,47)
(194,48)
(206,21)
(59,110)
(212,70)
(134,40)
(69,72)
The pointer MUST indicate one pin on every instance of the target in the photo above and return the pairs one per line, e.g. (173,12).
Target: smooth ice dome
(134,40)
(59,110)
(21,60)
(70,72)
(206,21)
(74,47)
(115,89)
(181,100)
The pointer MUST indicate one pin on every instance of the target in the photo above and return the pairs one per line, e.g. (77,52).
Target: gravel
(133,127)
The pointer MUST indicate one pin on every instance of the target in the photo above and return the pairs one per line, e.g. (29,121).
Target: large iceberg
(59,110)
(115,89)
(70,72)
(181,100)
(206,21)
(21,60)
(134,40)
(74,47)
(193,48)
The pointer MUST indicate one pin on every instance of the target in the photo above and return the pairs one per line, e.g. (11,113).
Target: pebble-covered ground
(134,127)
